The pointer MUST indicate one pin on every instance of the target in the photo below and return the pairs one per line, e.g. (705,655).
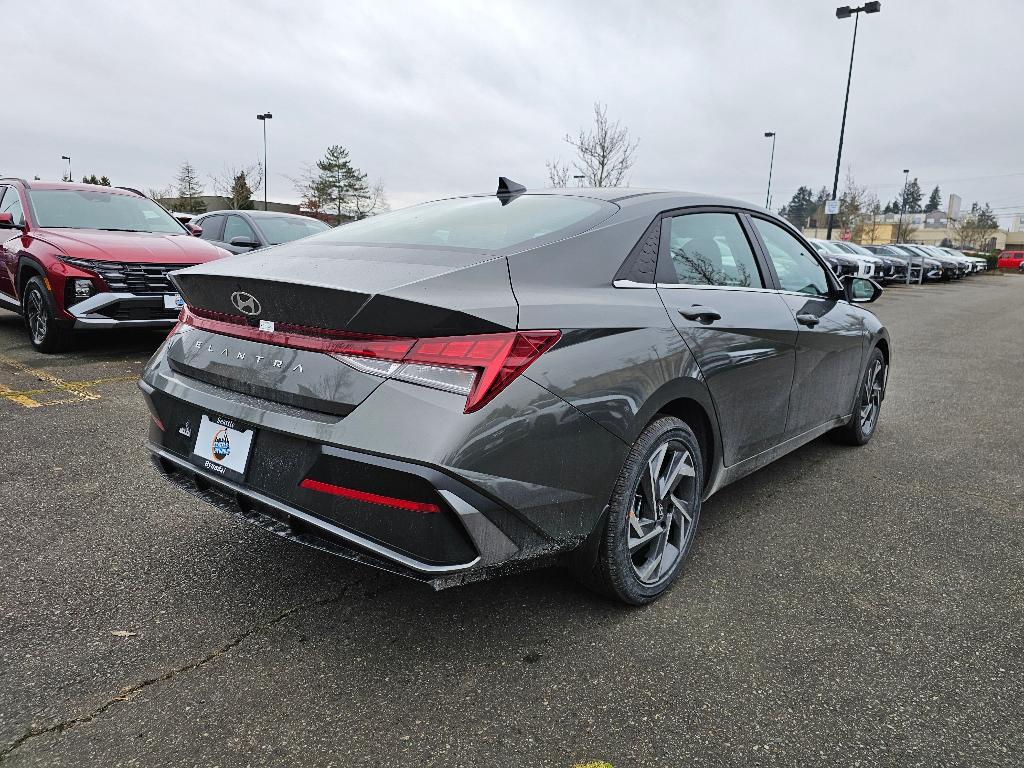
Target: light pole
(768,194)
(68,158)
(263,119)
(899,227)
(844,12)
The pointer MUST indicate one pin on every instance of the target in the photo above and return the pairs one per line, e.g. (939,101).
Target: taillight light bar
(369,498)
(488,362)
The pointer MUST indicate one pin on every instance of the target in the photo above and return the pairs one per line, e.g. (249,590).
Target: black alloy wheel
(653,514)
(870,394)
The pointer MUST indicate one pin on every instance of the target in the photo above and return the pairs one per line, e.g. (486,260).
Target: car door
(237,226)
(833,333)
(740,331)
(212,225)
(10,202)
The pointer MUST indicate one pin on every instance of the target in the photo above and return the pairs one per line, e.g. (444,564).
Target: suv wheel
(862,424)
(44,329)
(653,514)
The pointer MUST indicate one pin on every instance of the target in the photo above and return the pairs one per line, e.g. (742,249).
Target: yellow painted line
(79,390)
(18,397)
(76,384)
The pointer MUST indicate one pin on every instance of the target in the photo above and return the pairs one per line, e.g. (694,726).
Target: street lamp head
(264,116)
(906,170)
(64,157)
(873,7)
(769,134)
(844,12)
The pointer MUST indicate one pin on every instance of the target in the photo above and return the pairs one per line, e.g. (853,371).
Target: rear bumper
(507,490)
(121,310)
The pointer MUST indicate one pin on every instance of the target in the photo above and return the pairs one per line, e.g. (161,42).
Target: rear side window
(212,226)
(711,249)
(481,223)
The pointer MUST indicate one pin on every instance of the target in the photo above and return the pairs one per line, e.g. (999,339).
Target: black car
(244,231)
(482,383)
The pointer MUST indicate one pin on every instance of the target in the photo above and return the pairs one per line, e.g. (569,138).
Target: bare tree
(604,154)
(974,229)
(369,201)
(238,184)
(165,194)
(558,173)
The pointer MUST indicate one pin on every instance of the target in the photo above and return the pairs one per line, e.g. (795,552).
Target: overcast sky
(442,97)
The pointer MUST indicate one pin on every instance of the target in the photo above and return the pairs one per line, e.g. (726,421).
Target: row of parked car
(889,263)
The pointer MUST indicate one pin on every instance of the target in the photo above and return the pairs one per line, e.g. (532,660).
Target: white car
(869,266)
(979,263)
(968,264)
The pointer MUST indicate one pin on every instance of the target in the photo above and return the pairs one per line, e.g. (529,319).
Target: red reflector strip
(369,498)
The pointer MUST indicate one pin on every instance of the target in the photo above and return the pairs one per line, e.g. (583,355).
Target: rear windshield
(481,223)
(86,209)
(284,229)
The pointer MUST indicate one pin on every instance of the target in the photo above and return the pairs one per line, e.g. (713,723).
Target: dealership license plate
(221,448)
(173,301)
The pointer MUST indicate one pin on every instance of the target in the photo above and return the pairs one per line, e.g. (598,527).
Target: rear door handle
(698,312)
(808,319)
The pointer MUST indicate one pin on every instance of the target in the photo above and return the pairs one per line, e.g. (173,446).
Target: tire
(629,567)
(864,422)
(45,331)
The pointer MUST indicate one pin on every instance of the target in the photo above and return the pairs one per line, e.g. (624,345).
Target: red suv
(1011,260)
(78,256)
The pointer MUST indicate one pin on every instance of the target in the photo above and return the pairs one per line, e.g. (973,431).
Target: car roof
(48,185)
(262,214)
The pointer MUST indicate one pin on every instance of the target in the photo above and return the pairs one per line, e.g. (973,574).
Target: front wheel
(652,516)
(862,424)
(45,331)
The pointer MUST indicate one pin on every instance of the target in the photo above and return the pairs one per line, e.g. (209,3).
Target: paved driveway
(841,607)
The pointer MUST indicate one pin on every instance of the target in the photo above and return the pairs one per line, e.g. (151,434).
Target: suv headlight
(78,289)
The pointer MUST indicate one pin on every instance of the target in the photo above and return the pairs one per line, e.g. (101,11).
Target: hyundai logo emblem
(246,303)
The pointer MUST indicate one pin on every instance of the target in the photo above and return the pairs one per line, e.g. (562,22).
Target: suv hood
(133,247)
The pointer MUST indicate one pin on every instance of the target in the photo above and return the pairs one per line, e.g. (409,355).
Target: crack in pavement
(127,693)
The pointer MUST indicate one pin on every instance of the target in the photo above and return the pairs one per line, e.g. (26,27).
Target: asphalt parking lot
(842,607)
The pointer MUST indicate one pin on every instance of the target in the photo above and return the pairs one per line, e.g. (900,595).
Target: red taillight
(301,337)
(369,498)
(496,359)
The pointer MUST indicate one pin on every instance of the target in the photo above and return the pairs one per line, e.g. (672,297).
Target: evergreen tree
(102,181)
(340,183)
(912,197)
(934,201)
(190,190)
(888,208)
(241,193)
(800,207)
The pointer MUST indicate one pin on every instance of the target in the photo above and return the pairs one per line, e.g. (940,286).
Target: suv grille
(131,277)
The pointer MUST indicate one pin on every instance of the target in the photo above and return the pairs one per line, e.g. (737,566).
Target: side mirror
(195,229)
(861,290)
(7,221)
(244,242)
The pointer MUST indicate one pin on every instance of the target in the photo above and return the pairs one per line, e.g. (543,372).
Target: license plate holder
(173,301)
(223,447)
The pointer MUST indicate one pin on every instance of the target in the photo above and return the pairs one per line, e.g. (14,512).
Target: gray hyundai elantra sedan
(483,383)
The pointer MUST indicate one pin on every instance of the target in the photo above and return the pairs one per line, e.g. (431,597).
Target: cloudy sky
(442,97)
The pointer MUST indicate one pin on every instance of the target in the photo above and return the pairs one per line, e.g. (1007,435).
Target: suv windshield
(284,229)
(478,222)
(88,209)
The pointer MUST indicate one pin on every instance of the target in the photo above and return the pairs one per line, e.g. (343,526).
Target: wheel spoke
(652,490)
(652,568)
(642,539)
(683,511)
